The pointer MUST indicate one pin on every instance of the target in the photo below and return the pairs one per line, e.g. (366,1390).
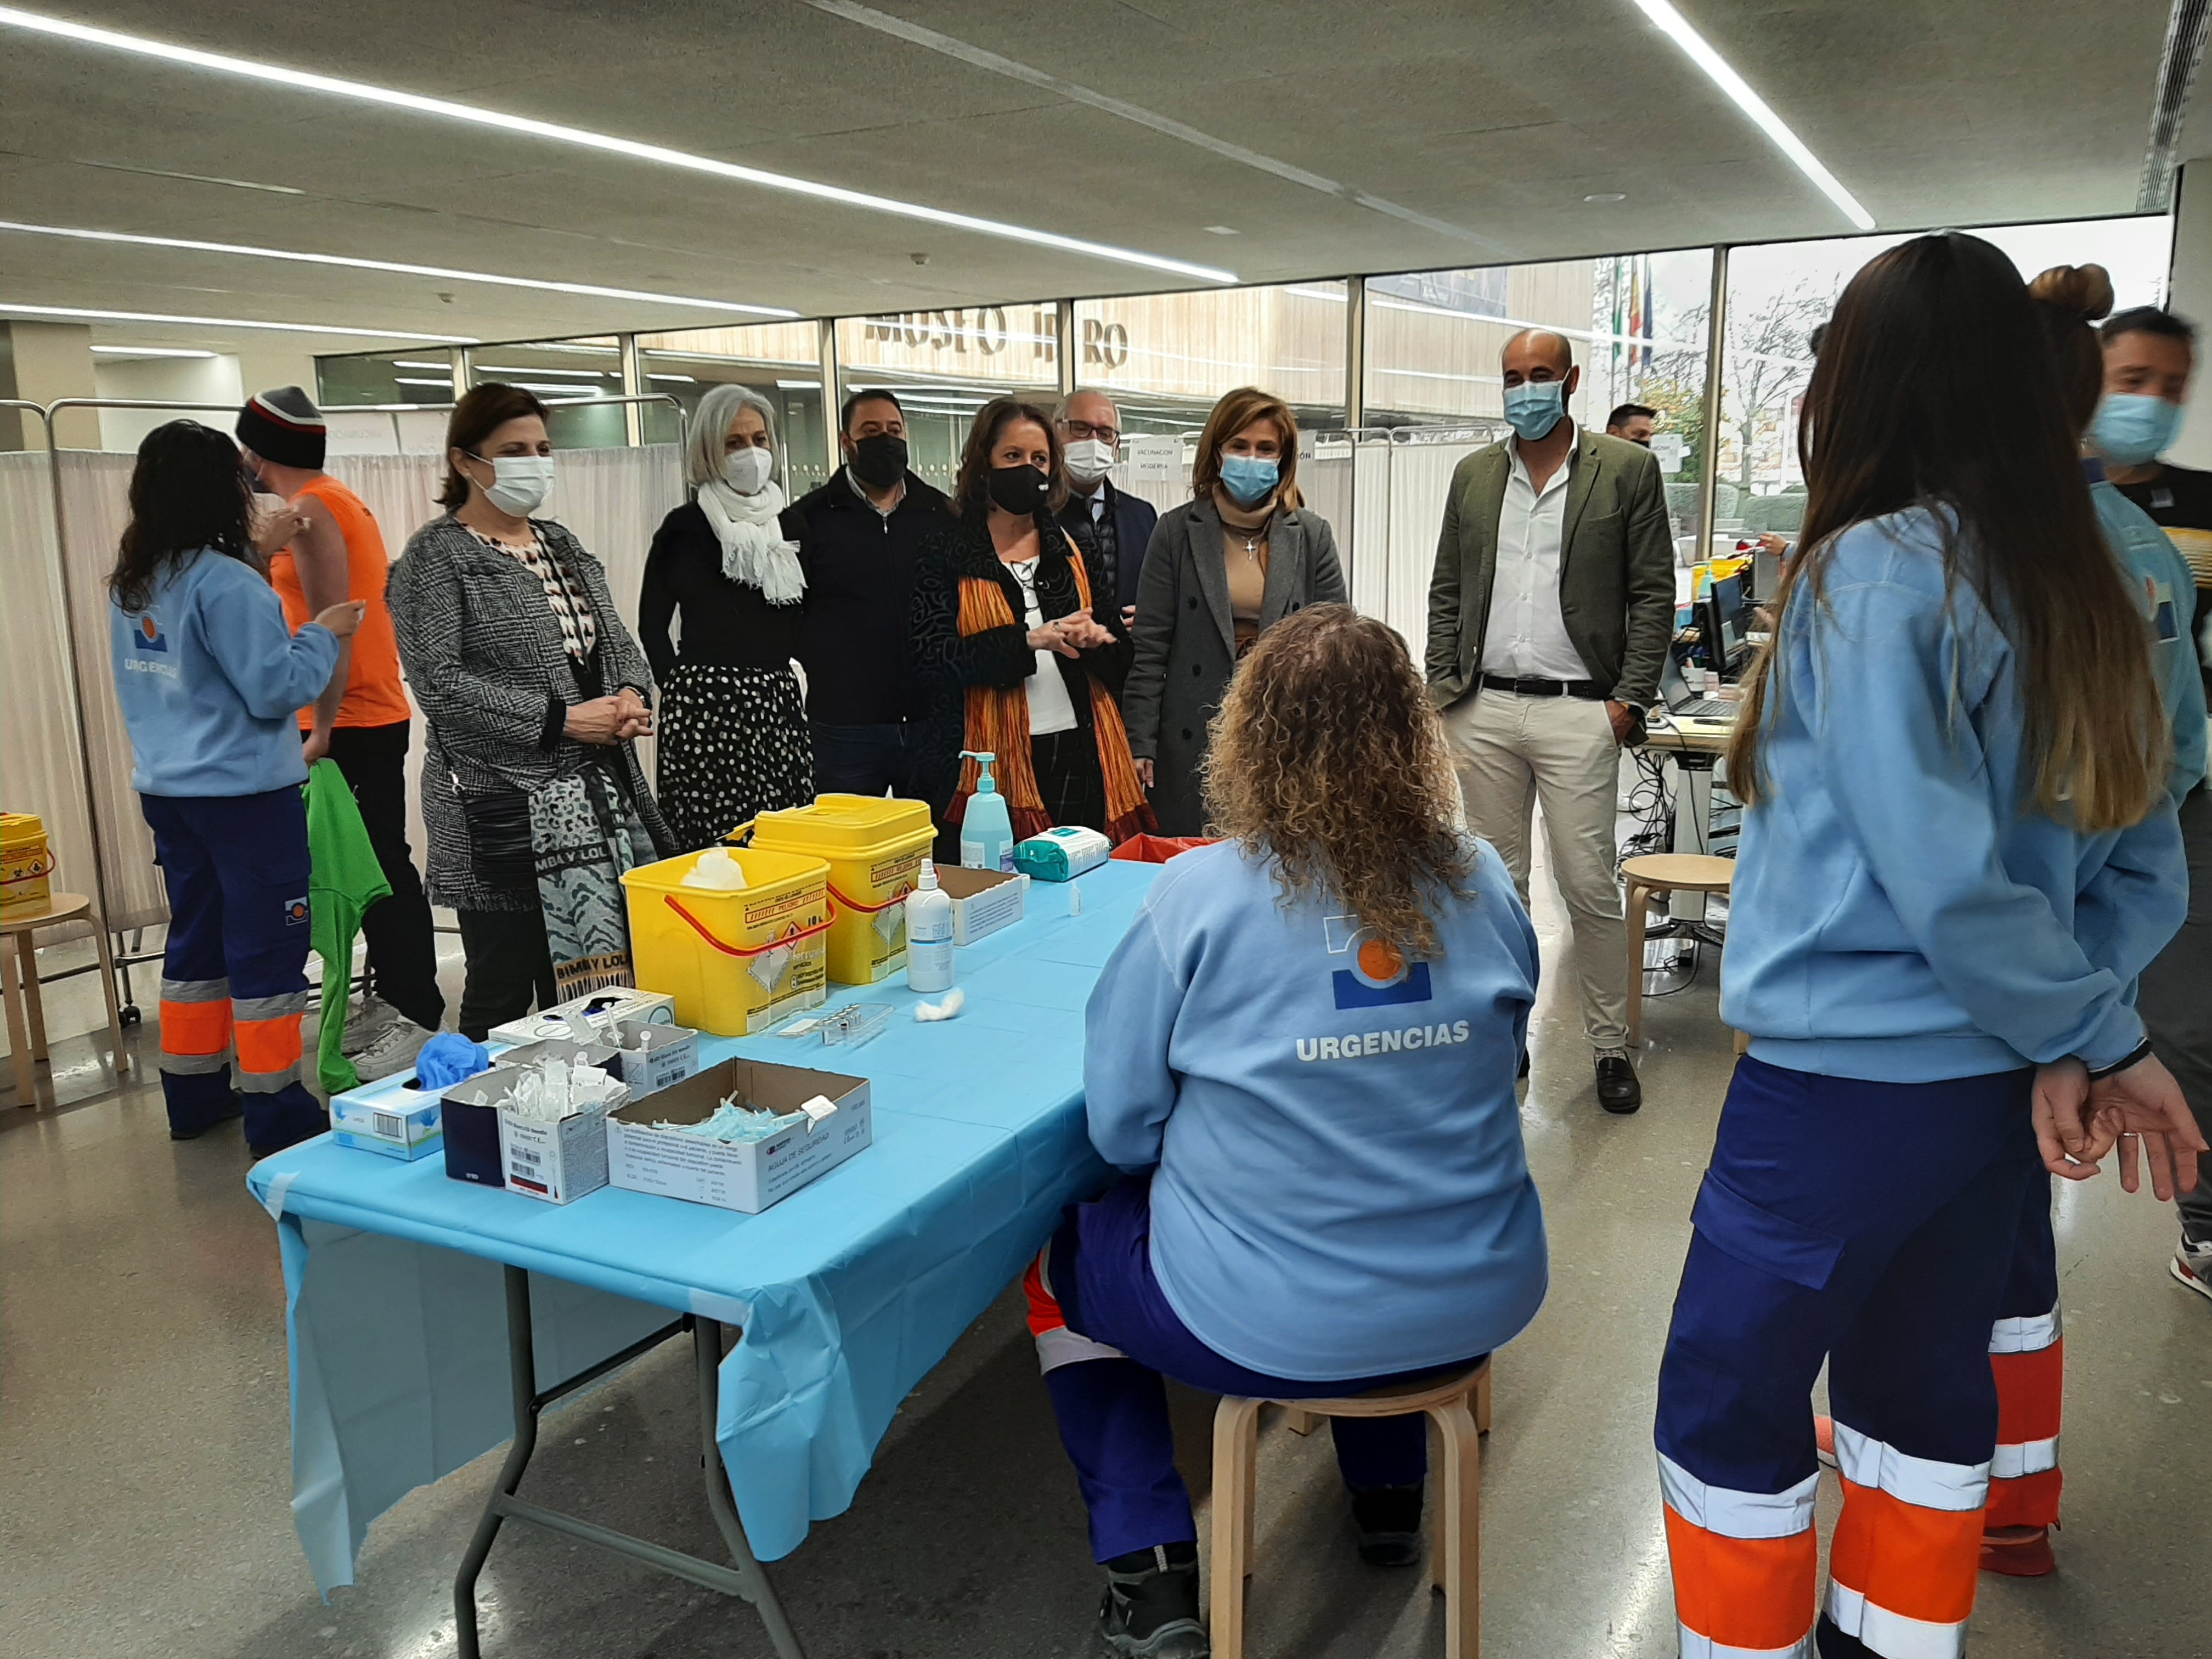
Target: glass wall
(1166,358)
(590,368)
(782,362)
(1779,292)
(1636,322)
(946,365)
(417,374)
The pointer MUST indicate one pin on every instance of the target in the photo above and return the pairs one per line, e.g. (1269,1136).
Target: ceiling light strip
(297,257)
(1671,24)
(303,80)
(82,314)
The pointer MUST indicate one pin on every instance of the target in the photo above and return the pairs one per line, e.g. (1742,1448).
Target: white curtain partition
(613,499)
(42,769)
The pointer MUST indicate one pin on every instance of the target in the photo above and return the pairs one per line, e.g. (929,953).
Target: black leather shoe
(1390,1522)
(1618,1091)
(1150,1610)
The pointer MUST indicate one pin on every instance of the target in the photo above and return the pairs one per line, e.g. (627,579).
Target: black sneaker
(1150,1610)
(1618,1091)
(1390,1522)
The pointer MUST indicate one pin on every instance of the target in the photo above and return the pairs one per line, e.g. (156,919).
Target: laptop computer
(1685,704)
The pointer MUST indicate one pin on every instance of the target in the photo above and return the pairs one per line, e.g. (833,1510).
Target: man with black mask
(875,730)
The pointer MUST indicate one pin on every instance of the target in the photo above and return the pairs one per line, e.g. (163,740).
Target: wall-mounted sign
(1155,459)
(1668,447)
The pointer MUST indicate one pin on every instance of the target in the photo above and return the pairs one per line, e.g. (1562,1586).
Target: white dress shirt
(1051,709)
(1527,636)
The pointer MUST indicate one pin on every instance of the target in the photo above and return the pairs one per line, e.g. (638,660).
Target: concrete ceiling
(1475,131)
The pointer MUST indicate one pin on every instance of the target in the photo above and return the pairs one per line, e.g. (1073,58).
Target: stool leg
(1235,1459)
(107,989)
(1298,1420)
(33,1005)
(1482,1399)
(19,1037)
(1639,895)
(1459,1536)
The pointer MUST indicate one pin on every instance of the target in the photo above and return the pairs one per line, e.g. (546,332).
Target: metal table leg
(744,1579)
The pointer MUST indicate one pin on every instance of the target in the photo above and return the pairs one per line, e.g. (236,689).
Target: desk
(409,1349)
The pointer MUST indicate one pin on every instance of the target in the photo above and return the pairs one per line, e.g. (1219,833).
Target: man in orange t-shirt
(363,721)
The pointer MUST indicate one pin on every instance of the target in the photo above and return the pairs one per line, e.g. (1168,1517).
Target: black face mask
(879,461)
(1019,488)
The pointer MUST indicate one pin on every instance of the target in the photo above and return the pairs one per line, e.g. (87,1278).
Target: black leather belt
(1589,690)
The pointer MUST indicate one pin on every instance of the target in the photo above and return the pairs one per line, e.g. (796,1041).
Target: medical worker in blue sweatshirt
(1303,1056)
(2027,1346)
(211,682)
(1958,853)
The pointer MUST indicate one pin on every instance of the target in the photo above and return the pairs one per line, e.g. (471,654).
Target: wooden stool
(1459,1407)
(1647,877)
(19,959)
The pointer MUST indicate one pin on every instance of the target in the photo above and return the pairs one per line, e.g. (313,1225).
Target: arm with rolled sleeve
(275,672)
(1128,1088)
(1651,551)
(1912,786)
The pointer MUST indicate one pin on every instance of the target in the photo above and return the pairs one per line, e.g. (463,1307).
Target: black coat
(730,624)
(859,566)
(946,664)
(1133,518)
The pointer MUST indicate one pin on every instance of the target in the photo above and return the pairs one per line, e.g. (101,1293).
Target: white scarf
(753,552)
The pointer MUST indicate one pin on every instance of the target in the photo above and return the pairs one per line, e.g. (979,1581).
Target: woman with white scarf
(733,740)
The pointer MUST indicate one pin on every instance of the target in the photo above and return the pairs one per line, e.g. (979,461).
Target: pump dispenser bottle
(987,830)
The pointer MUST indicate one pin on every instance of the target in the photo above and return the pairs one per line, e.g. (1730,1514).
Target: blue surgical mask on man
(1250,479)
(1535,407)
(2130,429)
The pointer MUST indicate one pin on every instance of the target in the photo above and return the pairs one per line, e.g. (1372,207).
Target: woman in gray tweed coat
(534,689)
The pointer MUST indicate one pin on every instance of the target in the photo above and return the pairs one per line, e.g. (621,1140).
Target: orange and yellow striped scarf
(997,723)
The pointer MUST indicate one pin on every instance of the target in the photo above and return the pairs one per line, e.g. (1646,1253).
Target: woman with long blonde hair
(1304,1055)
(1958,853)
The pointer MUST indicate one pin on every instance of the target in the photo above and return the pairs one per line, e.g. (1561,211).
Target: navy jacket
(1133,518)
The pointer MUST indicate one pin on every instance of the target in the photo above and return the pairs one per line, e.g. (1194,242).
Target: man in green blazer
(1550,616)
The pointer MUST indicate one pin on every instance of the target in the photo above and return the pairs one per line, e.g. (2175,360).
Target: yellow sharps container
(874,847)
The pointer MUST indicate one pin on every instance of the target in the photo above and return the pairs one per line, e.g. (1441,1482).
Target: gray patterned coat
(484,658)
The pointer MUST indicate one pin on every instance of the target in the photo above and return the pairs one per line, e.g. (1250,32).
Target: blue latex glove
(450,1058)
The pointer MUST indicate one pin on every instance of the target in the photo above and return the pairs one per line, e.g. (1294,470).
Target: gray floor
(145,1464)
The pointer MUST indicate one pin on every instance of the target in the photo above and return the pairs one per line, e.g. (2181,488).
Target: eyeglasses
(1082,429)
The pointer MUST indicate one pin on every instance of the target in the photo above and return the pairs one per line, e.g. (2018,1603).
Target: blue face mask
(1535,407)
(2132,430)
(1250,479)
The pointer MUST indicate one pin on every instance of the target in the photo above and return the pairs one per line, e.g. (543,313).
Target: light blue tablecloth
(849,1291)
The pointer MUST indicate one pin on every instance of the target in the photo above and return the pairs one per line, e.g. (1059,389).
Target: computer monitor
(1722,632)
(1729,590)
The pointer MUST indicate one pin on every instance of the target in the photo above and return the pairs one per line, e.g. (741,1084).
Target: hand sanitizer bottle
(929,934)
(987,830)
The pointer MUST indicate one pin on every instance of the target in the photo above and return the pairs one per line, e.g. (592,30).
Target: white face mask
(1090,459)
(519,483)
(746,470)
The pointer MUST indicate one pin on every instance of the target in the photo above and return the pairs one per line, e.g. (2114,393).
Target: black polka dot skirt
(733,743)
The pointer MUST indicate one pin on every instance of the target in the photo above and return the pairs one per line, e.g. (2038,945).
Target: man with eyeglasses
(1113,528)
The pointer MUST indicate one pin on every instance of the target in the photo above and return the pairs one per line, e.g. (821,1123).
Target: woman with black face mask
(1003,613)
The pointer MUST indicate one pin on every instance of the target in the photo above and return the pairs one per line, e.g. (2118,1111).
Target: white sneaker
(367,1023)
(2192,1265)
(394,1050)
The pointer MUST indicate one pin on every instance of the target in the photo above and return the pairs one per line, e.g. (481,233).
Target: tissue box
(388,1116)
(983,901)
(749,1178)
(1062,854)
(670,1054)
(588,1019)
(473,1149)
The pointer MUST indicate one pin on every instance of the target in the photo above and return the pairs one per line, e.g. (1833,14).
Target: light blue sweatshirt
(1342,1190)
(212,681)
(2167,589)
(1902,912)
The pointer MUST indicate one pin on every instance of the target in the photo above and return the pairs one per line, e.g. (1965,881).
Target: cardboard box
(983,901)
(476,1144)
(556,1162)
(389,1116)
(670,1054)
(749,1178)
(588,1019)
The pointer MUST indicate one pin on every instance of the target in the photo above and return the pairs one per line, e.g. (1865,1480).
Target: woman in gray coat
(534,689)
(1220,570)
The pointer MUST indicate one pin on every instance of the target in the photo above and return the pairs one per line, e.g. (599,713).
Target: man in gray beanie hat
(362,722)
